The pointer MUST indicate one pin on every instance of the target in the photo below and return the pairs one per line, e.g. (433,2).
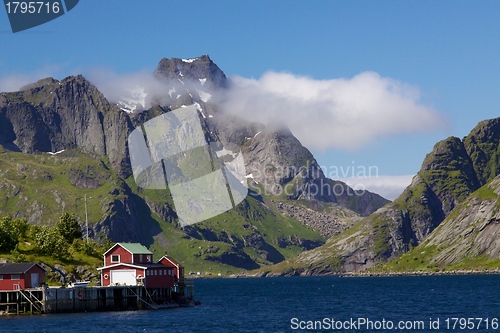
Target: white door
(123,277)
(35,280)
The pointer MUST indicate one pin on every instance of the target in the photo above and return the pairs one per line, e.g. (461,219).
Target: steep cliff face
(467,239)
(473,231)
(50,116)
(444,187)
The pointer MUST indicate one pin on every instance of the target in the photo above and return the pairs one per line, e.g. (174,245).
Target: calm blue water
(269,304)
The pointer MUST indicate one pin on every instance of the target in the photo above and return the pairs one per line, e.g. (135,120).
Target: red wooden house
(131,264)
(15,276)
(178,268)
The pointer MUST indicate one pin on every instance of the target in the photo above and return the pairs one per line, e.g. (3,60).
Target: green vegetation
(68,228)
(418,259)
(381,234)
(247,237)
(51,246)
(11,231)
(422,259)
(41,187)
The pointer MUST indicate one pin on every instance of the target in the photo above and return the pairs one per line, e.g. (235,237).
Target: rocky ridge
(443,189)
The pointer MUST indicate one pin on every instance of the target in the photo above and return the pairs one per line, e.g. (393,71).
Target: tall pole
(86,218)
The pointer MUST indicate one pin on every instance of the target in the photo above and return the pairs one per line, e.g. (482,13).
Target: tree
(9,236)
(50,242)
(20,227)
(69,228)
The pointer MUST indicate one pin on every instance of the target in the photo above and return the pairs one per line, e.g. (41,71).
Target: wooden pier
(82,299)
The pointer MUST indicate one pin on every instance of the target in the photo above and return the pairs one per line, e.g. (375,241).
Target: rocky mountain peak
(482,146)
(52,115)
(201,69)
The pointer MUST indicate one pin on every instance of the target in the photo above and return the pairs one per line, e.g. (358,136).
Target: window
(156,272)
(1,277)
(17,287)
(15,277)
(115,258)
(140,257)
(164,272)
(148,258)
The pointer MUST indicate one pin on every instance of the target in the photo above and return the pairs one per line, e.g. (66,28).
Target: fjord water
(270,304)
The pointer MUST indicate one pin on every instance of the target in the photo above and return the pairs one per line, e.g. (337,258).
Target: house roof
(141,266)
(134,248)
(17,268)
(171,260)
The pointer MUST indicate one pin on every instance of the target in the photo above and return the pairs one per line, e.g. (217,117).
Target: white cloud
(14,82)
(140,88)
(341,113)
(338,113)
(390,187)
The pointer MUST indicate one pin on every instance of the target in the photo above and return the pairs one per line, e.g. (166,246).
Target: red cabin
(16,276)
(131,264)
(178,268)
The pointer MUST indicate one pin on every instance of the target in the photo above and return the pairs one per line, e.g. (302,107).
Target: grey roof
(17,268)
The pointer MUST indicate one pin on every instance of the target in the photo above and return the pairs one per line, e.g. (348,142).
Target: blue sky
(448,51)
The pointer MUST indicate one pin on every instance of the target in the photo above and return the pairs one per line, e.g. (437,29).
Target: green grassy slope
(41,187)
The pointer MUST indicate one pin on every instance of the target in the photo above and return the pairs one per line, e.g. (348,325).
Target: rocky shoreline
(374,274)
(423,273)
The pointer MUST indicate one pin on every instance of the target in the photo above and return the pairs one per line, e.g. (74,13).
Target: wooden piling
(80,299)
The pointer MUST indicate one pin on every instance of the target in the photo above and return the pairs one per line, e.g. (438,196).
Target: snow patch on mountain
(135,102)
(204,96)
(199,108)
(171,91)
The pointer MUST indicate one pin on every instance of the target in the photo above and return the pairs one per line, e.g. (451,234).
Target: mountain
(467,239)
(61,140)
(450,206)
(49,116)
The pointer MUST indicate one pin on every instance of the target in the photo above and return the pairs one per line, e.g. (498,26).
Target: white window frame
(115,255)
